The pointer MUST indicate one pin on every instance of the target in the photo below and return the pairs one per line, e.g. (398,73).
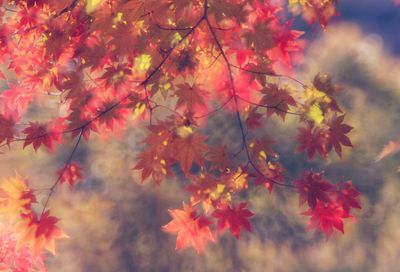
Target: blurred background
(114,222)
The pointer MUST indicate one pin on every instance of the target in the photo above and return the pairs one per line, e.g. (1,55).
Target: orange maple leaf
(391,148)
(192,230)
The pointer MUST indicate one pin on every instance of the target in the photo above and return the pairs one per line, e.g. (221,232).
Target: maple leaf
(6,129)
(191,97)
(233,182)
(186,62)
(324,84)
(245,86)
(253,119)
(112,113)
(80,123)
(326,217)
(57,36)
(189,150)
(260,38)
(115,75)
(16,198)
(391,148)
(213,191)
(94,53)
(152,163)
(262,147)
(218,158)
(272,172)
(234,218)
(312,139)
(160,136)
(72,173)
(337,134)
(206,188)
(241,52)
(38,134)
(15,100)
(317,10)
(224,9)
(311,188)
(286,43)
(347,196)
(40,233)
(277,100)
(192,230)
(259,70)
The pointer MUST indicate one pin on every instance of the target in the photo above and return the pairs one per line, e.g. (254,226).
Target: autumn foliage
(166,67)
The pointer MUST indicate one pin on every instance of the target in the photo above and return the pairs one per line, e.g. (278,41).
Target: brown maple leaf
(152,164)
(190,97)
(277,100)
(218,158)
(189,150)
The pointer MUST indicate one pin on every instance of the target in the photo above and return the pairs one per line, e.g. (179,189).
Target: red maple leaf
(313,140)
(80,122)
(234,218)
(192,230)
(253,120)
(72,173)
(326,217)
(38,134)
(347,196)
(312,187)
(6,129)
(337,134)
(111,113)
(40,233)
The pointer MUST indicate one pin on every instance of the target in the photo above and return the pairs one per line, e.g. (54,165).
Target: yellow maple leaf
(15,198)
